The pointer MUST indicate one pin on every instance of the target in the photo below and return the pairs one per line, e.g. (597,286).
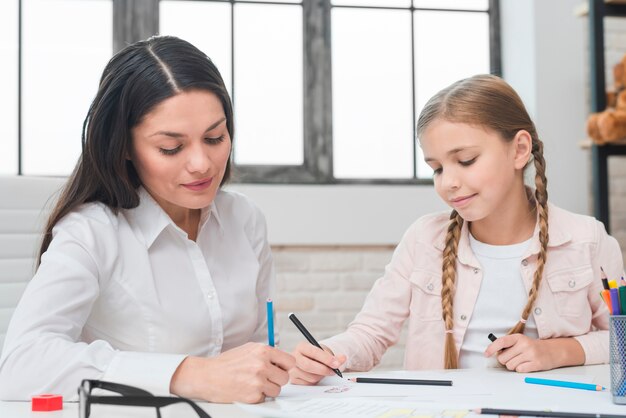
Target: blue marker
(563,384)
(270,322)
(614,301)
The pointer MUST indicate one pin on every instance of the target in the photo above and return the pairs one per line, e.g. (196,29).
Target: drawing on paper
(337,389)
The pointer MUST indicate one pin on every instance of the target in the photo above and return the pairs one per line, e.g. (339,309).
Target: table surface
(599,374)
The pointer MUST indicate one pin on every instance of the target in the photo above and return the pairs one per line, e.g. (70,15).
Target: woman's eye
(214,141)
(170,151)
(437,170)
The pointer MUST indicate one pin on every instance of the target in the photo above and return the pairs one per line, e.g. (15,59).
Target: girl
(149,273)
(504,261)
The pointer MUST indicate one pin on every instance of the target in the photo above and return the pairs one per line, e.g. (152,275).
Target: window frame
(134,20)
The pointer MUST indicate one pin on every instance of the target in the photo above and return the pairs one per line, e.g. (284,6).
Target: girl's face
(476,172)
(180,151)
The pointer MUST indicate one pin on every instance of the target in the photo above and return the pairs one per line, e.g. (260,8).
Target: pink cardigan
(568,303)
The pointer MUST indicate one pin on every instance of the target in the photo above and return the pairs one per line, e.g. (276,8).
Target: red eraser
(47,402)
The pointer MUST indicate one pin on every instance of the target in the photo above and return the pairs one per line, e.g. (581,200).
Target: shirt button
(430,286)
(572,283)
(463,317)
(524,262)
(537,311)
(210,295)
(475,271)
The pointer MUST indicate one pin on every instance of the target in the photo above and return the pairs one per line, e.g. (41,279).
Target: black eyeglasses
(131,396)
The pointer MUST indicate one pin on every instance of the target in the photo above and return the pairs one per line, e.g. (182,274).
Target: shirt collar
(149,219)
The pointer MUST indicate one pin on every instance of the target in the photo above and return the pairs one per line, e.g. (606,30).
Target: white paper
(335,387)
(353,408)
(471,389)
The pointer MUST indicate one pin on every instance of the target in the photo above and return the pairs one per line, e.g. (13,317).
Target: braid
(541,198)
(448,287)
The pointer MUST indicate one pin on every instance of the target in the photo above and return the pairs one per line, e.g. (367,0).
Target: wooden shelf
(583,9)
(587,143)
(597,10)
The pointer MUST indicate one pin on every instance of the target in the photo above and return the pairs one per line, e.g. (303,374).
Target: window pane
(464,56)
(8,86)
(188,20)
(268,84)
(66,44)
(380,3)
(372,106)
(452,4)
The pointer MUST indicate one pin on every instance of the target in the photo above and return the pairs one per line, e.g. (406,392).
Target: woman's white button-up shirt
(126,297)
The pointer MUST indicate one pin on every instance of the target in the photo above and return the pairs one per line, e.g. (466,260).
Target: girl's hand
(524,354)
(248,373)
(313,364)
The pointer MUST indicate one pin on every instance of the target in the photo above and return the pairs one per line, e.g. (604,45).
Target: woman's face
(180,151)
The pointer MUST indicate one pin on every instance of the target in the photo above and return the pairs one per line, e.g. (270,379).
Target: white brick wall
(326,287)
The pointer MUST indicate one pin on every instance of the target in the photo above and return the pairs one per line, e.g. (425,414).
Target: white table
(527,397)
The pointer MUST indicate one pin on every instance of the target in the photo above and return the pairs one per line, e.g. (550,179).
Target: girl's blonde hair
(489,102)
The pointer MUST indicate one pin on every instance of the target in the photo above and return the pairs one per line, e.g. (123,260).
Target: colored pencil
(606,296)
(622,299)
(309,337)
(401,381)
(605,280)
(270,322)
(563,383)
(524,413)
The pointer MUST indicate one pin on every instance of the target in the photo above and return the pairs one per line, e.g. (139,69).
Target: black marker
(492,337)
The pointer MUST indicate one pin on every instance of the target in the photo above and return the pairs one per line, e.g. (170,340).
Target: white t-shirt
(500,302)
(126,297)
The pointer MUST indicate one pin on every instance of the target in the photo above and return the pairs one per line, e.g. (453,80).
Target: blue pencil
(270,322)
(563,383)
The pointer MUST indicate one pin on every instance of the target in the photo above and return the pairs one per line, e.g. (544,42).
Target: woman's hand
(248,373)
(313,364)
(524,354)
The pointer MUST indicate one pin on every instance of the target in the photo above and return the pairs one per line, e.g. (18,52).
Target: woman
(149,273)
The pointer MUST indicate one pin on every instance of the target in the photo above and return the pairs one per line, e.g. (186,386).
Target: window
(9,86)
(372,94)
(369,67)
(60,74)
(56,51)
(257,46)
(324,91)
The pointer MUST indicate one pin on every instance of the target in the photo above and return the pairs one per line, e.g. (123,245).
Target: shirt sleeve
(608,256)
(379,323)
(43,351)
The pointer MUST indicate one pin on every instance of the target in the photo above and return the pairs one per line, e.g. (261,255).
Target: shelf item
(597,10)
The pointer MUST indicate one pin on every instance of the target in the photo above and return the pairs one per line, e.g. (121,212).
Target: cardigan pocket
(570,289)
(426,295)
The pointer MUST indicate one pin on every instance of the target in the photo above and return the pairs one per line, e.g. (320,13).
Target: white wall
(544,55)
(544,58)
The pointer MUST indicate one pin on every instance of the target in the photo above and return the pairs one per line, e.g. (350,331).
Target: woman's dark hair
(133,83)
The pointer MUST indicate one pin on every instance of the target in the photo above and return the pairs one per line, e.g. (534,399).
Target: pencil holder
(617,357)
